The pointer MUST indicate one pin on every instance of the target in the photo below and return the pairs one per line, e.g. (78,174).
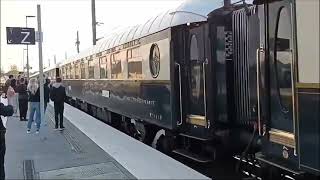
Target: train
(210,80)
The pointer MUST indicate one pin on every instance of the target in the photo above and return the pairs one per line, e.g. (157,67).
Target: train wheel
(144,133)
(165,144)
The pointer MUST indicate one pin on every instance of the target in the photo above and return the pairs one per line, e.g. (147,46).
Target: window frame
(105,60)
(112,59)
(77,70)
(90,65)
(82,69)
(135,56)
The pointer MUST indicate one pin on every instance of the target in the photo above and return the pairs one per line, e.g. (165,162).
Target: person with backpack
(58,96)
(23,99)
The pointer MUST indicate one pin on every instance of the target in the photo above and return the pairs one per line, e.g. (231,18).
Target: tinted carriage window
(71,68)
(62,72)
(103,67)
(83,71)
(76,71)
(67,72)
(283,57)
(195,69)
(116,69)
(194,54)
(134,64)
(91,69)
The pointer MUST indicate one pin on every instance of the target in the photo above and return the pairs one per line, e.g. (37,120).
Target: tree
(13,67)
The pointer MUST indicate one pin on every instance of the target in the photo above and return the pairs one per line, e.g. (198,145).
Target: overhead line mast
(94,23)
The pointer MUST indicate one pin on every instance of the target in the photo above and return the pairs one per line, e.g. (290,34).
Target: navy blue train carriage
(210,80)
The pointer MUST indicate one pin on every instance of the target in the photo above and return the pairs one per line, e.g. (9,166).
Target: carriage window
(91,69)
(196,69)
(283,58)
(67,72)
(83,70)
(71,68)
(103,67)
(76,71)
(64,72)
(53,74)
(116,69)
(194,54)
(129,53)
(134,64)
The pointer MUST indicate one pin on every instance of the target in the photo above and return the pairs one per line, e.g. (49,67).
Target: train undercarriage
(195,149)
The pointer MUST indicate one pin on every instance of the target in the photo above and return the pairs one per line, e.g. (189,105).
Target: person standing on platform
(26,81)
(18,80)
(34,99)
(46,89)
(58,96)
(23,99)
(4,111)
(11,95)
(7,84)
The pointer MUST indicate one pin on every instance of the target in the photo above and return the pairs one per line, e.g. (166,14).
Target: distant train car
(50,73)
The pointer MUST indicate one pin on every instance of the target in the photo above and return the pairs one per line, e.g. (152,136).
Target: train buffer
(86,148)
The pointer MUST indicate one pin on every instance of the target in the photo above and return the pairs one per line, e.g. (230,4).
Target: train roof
(45,70)
(189,11)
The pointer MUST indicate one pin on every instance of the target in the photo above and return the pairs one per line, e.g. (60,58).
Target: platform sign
(20,35)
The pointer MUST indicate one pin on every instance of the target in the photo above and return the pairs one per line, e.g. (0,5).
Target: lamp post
(27,47)
(23,61)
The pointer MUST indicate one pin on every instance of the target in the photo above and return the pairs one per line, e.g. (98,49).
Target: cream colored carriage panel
(308,40)
(164,72)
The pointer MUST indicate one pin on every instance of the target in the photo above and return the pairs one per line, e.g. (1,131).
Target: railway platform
(86,149)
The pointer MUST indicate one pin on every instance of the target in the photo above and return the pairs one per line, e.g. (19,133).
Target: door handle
(259,51)
(180,95)
(204,63)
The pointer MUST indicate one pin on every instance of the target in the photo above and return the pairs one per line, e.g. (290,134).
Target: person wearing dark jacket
(58,96)
(23,99)
(7,84)
(46,89)
(4,111)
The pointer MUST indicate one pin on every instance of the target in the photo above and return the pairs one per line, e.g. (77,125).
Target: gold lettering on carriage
(155,116)
(141,101)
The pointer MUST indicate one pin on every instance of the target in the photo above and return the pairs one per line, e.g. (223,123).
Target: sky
(62,18)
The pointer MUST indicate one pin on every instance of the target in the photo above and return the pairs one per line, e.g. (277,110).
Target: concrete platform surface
(51,154)
(86,149)
(142,161)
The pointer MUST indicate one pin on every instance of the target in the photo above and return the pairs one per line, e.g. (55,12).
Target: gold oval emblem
(285,154)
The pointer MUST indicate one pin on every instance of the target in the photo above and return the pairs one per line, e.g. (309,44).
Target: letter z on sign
(19,35)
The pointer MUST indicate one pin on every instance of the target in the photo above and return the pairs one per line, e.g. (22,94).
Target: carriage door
(280,72)
(196,77)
